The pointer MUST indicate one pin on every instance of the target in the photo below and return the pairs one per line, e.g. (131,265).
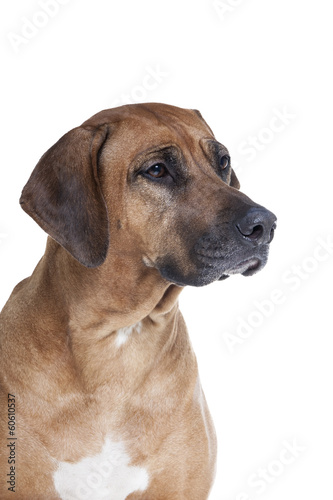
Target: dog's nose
(257,226)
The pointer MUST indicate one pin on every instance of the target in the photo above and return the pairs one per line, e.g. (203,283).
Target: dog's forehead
(150,116)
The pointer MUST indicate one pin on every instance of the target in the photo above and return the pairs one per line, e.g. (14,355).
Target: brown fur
(111,232)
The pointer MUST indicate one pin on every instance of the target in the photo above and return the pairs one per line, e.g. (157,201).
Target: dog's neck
(124,291)
(93,306)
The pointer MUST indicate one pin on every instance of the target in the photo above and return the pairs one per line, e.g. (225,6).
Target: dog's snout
(257,226)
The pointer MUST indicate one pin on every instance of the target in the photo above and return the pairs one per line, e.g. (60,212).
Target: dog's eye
(157,171)
(225,162)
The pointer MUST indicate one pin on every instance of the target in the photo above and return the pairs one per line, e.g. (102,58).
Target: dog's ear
(234,182)
(63,195)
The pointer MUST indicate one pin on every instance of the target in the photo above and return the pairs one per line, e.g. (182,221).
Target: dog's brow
(213,147)
(169,151)
(170,148)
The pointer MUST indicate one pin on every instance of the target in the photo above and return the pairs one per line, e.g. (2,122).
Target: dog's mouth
(211,269)
(214,261)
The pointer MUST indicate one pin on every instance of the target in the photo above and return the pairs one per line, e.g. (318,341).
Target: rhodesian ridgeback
(100,393)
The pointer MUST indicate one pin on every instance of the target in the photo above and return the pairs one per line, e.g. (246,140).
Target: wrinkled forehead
(142,125)
(142,128)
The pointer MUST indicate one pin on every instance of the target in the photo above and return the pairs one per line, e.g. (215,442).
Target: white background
(239,65)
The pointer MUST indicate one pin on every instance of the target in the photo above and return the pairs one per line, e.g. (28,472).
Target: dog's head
(149,182)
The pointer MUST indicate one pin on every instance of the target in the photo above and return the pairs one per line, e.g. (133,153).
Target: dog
(97,370)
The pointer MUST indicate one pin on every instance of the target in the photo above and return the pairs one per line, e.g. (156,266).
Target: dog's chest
(105,475)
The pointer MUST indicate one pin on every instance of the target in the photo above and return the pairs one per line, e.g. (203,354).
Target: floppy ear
(234,182)
(63,195)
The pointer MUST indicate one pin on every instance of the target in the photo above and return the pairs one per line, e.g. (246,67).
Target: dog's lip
(246,267)
(253,265)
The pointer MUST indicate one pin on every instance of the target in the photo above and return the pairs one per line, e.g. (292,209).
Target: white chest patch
(123,334)
(103,476)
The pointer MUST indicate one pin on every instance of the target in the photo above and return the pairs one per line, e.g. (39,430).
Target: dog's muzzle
(242,246)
